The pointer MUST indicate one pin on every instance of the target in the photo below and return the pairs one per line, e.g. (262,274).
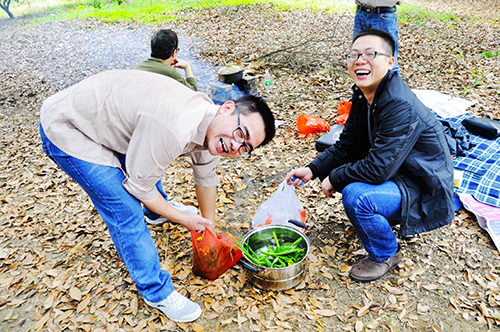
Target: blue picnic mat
(480,166)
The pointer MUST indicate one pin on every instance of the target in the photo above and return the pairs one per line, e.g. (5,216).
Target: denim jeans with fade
(124,218)
(372,209)
(387,22)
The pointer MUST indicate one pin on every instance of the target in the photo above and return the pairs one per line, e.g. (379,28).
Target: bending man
(116,132)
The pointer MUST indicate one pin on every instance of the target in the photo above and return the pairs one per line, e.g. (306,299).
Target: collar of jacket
(381,86)
(155,59)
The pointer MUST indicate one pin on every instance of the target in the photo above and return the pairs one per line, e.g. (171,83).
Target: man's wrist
(314,171)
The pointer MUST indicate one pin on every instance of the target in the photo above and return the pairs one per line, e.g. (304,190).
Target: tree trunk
(8,12)
(5,7)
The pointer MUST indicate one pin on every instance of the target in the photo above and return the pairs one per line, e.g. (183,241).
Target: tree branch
(310,40)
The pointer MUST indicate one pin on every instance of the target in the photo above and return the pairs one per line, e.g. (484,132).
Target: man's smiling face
(367,73)
(220,139)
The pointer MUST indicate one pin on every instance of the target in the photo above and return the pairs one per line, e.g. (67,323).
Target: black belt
(377,10)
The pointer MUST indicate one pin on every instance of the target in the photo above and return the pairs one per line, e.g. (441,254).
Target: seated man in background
(164,60)
(391,163)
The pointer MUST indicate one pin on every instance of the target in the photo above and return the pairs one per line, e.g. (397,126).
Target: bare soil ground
(59,270)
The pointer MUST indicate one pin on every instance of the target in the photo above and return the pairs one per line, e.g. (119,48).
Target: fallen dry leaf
(358,326)
(197,327)
(325,312)
(75,293)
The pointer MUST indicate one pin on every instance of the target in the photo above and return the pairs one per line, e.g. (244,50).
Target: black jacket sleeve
(397,130)
(336,154)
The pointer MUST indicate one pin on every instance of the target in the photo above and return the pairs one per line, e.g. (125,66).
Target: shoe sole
(192,318)
(164,220)
(188,320)
(362,279)
(155,221)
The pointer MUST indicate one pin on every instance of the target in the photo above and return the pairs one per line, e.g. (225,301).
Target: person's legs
(387,22)
(369,207)
(360,21)
(155,219)
(152,217)
(123,215)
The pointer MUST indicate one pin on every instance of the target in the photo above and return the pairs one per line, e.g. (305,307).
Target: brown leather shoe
(368,270)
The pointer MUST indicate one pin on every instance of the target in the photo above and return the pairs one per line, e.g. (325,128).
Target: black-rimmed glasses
(240,137)
(367,55)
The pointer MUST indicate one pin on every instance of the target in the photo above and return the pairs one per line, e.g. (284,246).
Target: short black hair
(250,104)
(164,43)
(380,33)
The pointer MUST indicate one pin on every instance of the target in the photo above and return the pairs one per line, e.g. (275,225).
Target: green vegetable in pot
(277,254)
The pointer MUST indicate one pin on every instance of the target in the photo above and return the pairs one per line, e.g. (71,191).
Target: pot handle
(249,267)
(298,223)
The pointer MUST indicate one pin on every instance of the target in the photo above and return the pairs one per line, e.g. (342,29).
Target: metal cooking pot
(230,74)
(275,278)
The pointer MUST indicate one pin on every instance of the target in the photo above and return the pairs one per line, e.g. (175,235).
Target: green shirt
(155,65)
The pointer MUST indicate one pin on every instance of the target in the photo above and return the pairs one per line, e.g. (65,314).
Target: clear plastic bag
(282,206)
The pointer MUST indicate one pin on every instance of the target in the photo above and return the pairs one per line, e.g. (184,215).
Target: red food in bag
(343,110)
(213,254)
(308,124)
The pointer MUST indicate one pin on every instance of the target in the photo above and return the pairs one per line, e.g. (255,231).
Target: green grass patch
(142,10)
(152,12)
(488,54)
(412,13)
(147,13)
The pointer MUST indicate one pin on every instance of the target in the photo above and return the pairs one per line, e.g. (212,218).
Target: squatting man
(391,163)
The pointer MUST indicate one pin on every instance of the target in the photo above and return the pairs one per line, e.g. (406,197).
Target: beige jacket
(151,118)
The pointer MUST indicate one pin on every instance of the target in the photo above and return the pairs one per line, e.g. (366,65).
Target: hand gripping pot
(275,278)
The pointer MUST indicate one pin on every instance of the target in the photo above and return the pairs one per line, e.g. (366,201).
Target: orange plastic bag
(343,110)
(308,124)
(213,254)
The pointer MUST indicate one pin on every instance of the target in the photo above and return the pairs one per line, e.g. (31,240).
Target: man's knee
(352,195)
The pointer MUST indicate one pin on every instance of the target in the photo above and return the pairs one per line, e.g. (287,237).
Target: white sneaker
(183,208)
(179,206)
(177,308)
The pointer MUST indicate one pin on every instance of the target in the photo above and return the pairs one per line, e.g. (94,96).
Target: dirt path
(60,271)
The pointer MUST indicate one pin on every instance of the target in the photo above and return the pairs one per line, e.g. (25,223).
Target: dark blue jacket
(400,140)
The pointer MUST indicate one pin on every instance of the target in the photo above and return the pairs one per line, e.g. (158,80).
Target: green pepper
(276,240)
(277,255)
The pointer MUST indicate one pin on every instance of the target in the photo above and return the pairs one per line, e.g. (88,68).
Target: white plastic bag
(282,206)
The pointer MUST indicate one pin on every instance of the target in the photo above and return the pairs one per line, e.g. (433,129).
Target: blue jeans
(124,218)
(387,22)
(147,212)
(370,208)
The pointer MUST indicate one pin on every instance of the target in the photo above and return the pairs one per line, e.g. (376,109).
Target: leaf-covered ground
(59,269)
